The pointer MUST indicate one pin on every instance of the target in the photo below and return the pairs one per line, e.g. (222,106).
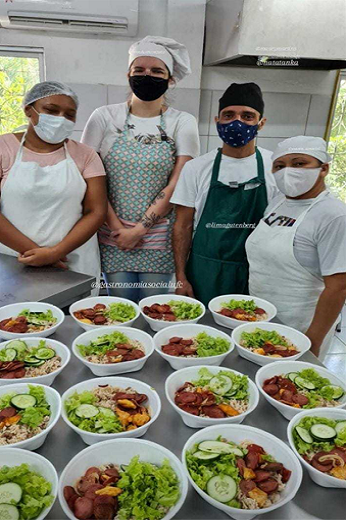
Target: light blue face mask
(53,129)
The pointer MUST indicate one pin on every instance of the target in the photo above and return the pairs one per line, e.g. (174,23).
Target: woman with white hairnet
(144,144)
(53,190)
(297,253)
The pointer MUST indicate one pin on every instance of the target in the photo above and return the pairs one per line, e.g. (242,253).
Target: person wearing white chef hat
(144,144)
(297,253)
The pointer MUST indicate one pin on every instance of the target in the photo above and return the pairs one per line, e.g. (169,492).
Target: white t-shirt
(194,181)
(320,239)
(107,123)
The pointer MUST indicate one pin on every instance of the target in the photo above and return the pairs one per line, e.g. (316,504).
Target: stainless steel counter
(20,283)
(311,502)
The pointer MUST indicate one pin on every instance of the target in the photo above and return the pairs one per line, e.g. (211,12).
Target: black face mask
(148,88)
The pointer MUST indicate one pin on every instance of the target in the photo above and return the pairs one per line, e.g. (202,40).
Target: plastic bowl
(187,331)
(178,378)
(322,479)
(15,308)
(121,451)
(156,325)
(154,405)
(54,401)
(231,323)
(299,339)
(284,367)
(114,368)
(274,446)
(106,300)
(15,457)
(48,379)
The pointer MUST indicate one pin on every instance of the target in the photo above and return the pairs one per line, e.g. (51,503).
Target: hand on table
(41,256)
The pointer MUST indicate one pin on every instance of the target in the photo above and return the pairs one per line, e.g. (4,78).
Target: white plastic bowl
(215,305)
(15,457)
(156,325)
(48,379)
(271,444)
(121,451)
(178,378)
(299,339)
(322,479)
(106,300)
(284,367)
(114,368)
(153,403)
(54,401)
(188,331)
(11,311)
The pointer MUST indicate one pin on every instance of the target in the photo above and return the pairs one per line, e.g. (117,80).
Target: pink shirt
(88,162)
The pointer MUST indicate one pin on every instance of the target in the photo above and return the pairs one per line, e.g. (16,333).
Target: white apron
(44,203)
(276,275)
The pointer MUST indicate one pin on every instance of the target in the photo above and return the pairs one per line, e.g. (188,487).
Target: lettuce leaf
(34,415)
(260,336)
(120,312)
(210,346)
(38,317)
(247,305)
(304,447)
(185,310)
(103,343)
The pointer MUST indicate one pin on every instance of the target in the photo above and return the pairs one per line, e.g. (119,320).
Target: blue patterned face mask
(236,133)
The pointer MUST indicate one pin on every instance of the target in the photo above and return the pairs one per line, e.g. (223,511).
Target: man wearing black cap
(222,196)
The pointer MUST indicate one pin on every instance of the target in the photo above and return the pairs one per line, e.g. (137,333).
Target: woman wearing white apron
(297,253)
(53,196)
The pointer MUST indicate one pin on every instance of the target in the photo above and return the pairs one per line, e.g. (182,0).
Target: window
(337,142)
(20,69)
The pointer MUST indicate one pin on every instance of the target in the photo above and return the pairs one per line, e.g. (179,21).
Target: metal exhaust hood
(308,34)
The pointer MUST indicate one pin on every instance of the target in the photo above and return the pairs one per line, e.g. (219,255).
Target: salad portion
(244,310)
(24,493)
(174,310)
(108,409)
(217,396)
(201,345)
(268,343)
(112,314)
(303,389)
(112,348)
(18,360)
(23,416)
(28,322)
(238,475)
(137,491)
(322,443)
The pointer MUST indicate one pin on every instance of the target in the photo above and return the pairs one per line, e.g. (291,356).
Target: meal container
(106,300)
(15,308)
(231,323)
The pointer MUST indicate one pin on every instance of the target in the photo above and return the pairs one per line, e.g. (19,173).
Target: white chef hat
(314,146)
(172,53)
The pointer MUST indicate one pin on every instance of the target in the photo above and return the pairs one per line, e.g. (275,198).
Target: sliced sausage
(99,307)
(189,408)
(208,398)
(104,507)
(20,372)
(19,328)
(268,486)
(90,492)
(320,454)
(88,313)
(137,354)
(4,322)
(187,342)
(241,465)
(285,474)
(339,451)
(169,317)
(187,397)
(272,466)
(268,348)
(226,312)
(69,491)
(321,467)
(170,350)
(300,399)
(78,315)
(93,472)
(175,339)
(83,508)
(252,459)
(246,486)
(258,310)
(189,351)
(262,475)
(9,411)
(8,375)
(256,448)
(271,389)
(271,381)
(72,500)
(100,320)
(287,384)
(287,396)
(213,411)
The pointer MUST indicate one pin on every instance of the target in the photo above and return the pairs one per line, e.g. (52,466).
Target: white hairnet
(172,53)
(314,146)
(46,89)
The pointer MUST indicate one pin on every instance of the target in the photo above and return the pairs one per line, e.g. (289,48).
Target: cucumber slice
(304,435)
(33,362)
(215,447)
(9,493)
(106,411)
(340,426)
(337,391)
(204,455)
(10,354)
(86,411)
(292,376)
(9,512)
(222,488)
(45,353)
(304,383)
(18,345)
(322,432)
(23,401)
(220,384)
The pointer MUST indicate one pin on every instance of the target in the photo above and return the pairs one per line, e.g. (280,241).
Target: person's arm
(94,215)
(328,308)
(11,237)
(112,219)
(182,239)
(94,130)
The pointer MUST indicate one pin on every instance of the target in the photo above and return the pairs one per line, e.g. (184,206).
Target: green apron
(217,263)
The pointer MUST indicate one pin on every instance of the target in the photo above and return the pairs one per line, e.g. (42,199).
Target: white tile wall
(204,112)
(90,97)
(318,115)
(269,143)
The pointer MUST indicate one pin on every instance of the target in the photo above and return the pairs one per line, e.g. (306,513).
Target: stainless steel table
(311,502)
(19,283)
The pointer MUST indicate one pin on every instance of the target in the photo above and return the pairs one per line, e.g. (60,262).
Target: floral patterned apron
(136,174)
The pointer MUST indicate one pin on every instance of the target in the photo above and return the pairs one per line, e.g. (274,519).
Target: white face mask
(53,129)
(294,182)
